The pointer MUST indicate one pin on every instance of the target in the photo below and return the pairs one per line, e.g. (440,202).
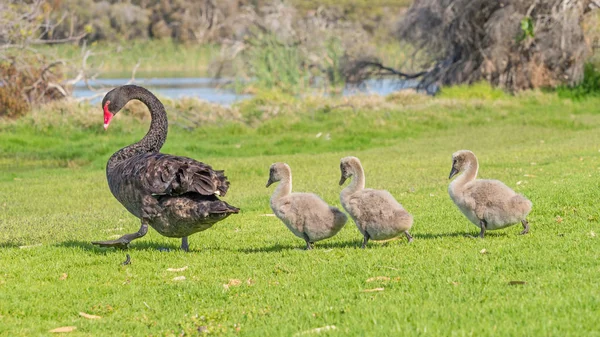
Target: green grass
(119,59)
(54,198)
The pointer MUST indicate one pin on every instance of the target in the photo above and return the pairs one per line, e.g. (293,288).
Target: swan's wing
(373,200)
(162,174)
(285,209)
(487,192)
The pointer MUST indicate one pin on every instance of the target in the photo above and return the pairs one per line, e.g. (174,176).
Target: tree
(513,44)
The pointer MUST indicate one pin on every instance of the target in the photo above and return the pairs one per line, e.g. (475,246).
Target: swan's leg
(365,240)
(123,241)
(308,243)
(525,226)
(184,244)
(408,236)
(482,224)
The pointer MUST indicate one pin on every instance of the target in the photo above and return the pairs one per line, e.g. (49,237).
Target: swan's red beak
(107,115)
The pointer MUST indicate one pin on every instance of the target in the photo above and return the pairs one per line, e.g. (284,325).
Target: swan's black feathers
(163,174)
(177,196)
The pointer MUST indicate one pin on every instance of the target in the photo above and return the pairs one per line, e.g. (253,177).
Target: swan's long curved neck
(156,135)
(284,188)
(469,174)
(358,179)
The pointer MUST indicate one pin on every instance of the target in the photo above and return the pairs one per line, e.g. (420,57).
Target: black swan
(175,195)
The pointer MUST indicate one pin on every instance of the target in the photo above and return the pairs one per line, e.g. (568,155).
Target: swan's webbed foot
(408,236)
(123,241)
(482,225)
(365,240)
(119,243)
(184,244)
(525,227)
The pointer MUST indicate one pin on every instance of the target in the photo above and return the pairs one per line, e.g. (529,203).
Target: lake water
(215,91)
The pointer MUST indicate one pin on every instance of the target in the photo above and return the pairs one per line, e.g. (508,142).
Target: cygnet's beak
(453,172)
(269,182)
(342,180)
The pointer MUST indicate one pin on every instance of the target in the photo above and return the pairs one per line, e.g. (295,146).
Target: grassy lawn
(54,200)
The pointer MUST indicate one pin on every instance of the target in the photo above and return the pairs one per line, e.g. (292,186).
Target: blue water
(206,89)
(215,91)
(381,87)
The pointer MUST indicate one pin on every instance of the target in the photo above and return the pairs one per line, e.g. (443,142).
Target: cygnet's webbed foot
(408,236)
(119,243)
(184,244)
(123,241)
(482,225)
(525,227)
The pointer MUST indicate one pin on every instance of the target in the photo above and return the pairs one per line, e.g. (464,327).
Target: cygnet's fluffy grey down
(376,213)
(489,204)
(305,214)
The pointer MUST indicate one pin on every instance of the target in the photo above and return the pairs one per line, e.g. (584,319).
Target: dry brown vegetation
(194,21)
(28,76)
(513,44)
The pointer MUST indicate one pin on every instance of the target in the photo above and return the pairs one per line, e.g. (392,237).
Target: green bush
(290,67)
(274,64)
(589,87)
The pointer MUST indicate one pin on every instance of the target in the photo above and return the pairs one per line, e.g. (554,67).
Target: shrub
(292,51)
(589,87)
(12,102)
(25,83)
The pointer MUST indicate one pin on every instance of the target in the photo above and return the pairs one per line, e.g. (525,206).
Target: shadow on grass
(300,246)
(471,235)
(9,244)
(356,244)
(136,245)
(349,244)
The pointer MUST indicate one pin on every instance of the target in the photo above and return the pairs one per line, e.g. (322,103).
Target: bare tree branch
(388,70)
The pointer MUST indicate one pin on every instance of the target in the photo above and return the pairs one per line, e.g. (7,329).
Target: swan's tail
(340,218)
(221,207)
(521,205)
(403,219)
(223,183)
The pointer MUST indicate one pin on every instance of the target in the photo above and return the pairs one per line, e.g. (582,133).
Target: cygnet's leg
(365,240)
(184,244)
(408,236)
(525,226)
(308,243)
(123,241)
(482,224)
